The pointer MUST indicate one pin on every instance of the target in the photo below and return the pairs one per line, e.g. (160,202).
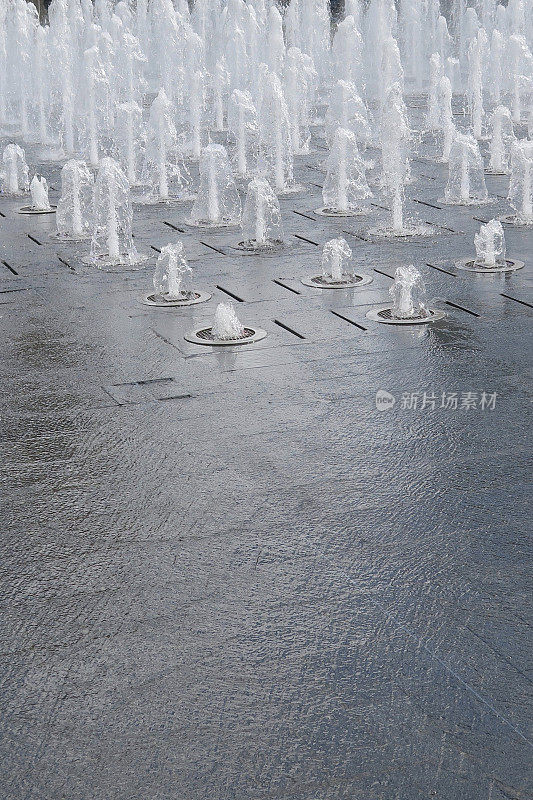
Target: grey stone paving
(226,574)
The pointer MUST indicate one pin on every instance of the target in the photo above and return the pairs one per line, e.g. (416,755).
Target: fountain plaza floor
(226,574)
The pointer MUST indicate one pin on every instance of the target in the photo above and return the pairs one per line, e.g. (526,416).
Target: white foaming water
(335,254)
(218,202)
(226,324)
(16,173)
(112,240)
(171,272)
(502,139)
(466,179)
(345,187)
(408,293)
(39,194)
(490,244)
(521,183)
(261,219)
(74,208)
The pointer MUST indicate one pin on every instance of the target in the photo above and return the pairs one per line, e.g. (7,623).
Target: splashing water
(335,254)
(171,271)
(345,186)
(521,184)
(226,324)
(408,293)
(16,172)
(74,209)
(39,194)
(112,240)
(218,202)
(501,141)
(490,245)
(466,179)
(261,219)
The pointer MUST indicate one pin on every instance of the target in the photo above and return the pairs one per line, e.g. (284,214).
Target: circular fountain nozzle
(408,231)
(517,221)
(65,237)
(335,212)
(386,316)
(205,336)
(124,262)
(347,282)
(186,299)
(252,247)
(30,210)
(473,265)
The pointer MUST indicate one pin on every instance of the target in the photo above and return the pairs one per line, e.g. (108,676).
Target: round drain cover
(30,210)
(348,282)
(333,212)
(61,237)
(188,299)
(385,316)
(407,233)
(206,225)
(270,247)
(470,265)
(103,262)
(513,219)
(205,336)
(294,189)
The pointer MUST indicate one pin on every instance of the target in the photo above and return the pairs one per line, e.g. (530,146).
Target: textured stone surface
(226,574)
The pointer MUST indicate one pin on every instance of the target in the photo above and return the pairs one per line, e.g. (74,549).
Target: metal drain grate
(31,211)
(471,265)
(123,263)
(333,212)
(205,336)
(386,313)
(518,222)
(348,282)
(386,316)
(270,246)
(188,299)
(321,281)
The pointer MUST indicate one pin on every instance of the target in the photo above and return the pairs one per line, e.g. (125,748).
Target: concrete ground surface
(225,573)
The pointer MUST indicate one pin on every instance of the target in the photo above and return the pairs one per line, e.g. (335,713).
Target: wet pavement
(227,574)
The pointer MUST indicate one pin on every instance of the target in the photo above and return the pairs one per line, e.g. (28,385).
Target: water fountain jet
(336,274)
(466,179)
(225,330)
(345,187)
(172,279)
(243,124)
(409,307)
(261,219)
(395,142)
(112,240)
(164,172)
(218,203)
(490,252)
(501,141)
(15,180)
(521,184)
(74,208)
(40,204)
